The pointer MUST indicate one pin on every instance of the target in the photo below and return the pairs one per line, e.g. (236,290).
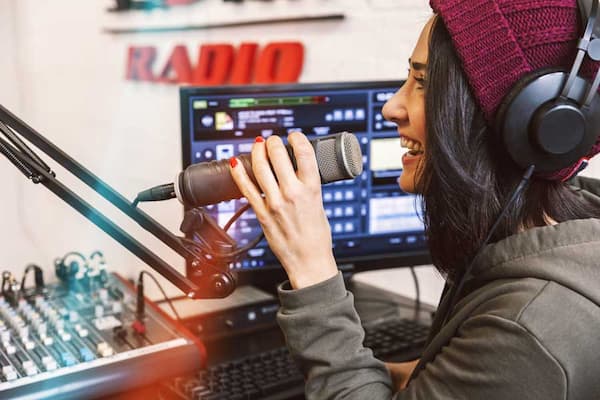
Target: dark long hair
(466,175)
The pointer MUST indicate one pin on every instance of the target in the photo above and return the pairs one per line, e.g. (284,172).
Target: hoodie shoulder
(588,188)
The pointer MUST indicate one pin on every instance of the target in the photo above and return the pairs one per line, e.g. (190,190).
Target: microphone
(338,157)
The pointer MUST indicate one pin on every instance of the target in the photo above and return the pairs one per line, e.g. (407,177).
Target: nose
(394,109)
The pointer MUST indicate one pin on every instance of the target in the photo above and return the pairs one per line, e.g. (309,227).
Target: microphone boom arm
(216,283)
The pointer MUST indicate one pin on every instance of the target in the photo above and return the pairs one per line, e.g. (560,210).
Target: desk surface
(372,303)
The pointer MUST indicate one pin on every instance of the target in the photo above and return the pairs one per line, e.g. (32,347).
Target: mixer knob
(29,367)
(81,331)
(42,328)
(9,372)
(104,349)
(29,345)
(10,349)
(24,332)
(49,363)
(99,310)
(103,294)
(60,325)
(73,316)
(117,308)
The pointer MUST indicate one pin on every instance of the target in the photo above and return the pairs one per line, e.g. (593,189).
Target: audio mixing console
(84,337)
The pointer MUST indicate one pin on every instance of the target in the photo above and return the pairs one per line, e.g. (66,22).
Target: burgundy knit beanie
(500,41)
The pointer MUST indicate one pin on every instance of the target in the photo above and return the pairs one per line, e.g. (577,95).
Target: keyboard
(273,375)
(396,339)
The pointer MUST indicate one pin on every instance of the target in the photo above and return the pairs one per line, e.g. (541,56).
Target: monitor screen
(374,223)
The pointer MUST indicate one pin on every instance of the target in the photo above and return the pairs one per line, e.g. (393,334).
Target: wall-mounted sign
(219,64)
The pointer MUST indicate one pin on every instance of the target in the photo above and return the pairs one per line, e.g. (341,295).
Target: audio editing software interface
(369,215)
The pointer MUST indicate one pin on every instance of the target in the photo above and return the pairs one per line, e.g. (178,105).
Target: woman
(525,322)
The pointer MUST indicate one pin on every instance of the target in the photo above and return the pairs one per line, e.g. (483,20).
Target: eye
(419,79)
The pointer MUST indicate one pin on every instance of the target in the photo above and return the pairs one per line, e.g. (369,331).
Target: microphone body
(338,157)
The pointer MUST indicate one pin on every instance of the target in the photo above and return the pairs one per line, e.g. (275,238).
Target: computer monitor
(374,223)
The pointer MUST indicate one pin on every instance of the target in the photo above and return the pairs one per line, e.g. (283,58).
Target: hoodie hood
(567,253)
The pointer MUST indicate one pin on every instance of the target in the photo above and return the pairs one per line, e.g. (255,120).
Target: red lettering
(178,68)
(220,64)
(139,63)
(241,72)
(280,63)
(214,64)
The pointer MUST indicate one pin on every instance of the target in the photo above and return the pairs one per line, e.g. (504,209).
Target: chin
(406,182)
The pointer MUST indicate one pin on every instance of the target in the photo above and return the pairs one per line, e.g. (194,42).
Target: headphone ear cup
(504,107)
(540,128)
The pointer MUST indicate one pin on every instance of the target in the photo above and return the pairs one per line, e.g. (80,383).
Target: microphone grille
(339,157)
(353,159)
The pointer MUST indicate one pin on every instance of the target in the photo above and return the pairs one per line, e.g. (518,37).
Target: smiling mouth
(414,148)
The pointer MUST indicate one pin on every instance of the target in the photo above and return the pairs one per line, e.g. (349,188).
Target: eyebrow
(417,65)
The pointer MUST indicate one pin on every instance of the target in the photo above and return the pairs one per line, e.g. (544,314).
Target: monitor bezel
(351,264)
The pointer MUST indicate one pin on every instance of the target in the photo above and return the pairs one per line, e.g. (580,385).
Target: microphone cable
(202,251)
(156,193)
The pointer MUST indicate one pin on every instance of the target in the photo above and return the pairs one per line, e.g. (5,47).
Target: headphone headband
(588,16)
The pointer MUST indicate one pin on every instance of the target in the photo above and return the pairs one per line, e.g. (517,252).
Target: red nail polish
(233,162)
(259,139)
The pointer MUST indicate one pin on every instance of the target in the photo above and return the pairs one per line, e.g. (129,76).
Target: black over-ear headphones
(551,118)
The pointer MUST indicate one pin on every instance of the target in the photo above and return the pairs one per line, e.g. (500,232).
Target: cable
(39,278)
(7,277)
(141,285)
(156,193)
(417,291)
(455,293)
(235,216)
(216,254)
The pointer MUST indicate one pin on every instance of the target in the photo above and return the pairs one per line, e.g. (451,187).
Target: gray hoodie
(528,327)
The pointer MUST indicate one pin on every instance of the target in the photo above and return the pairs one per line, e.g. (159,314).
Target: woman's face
(407,109)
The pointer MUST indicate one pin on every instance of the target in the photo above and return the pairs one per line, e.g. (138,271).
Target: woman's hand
(291,212)
(400,372)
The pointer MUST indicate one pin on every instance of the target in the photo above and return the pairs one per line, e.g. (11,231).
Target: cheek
(419,126)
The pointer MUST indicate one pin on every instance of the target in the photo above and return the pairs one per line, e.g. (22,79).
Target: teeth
(411,144)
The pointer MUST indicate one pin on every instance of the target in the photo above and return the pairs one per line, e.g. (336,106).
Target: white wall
(71,88)
(10,96)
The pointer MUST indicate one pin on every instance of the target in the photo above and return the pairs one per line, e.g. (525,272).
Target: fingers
(308,170)
(247,187)
(280,161)
(261,168)
(274,172)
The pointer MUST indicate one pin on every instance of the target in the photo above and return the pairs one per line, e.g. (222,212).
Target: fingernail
(233,162)
(259,139)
